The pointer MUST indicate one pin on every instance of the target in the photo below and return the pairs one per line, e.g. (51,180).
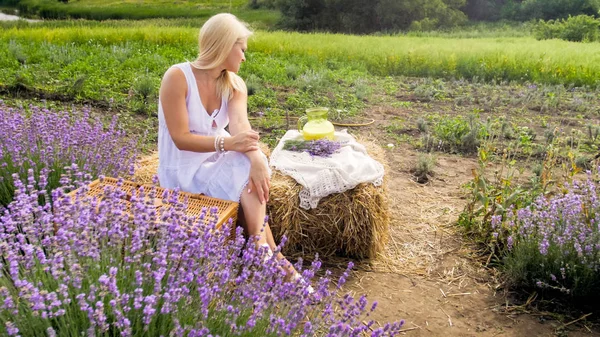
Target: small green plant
(362,89)
(422,125)
(430,91)
(507,130)
(493,193)
(457,134)
(423,169)
(77,86)
(593,131)
(429,143)
(313,81)
(253,83)
(550,135)
(584,162)
(292,71)
(144,88)
(526,136)
(17,51)
(22,80)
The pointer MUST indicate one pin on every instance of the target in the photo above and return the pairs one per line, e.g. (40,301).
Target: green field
(99,61)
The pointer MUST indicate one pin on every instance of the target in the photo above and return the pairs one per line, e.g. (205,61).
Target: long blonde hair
(217,37)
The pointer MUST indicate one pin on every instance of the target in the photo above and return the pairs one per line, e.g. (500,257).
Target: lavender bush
(47,141)
(107,267)
(320,148)
(555,242)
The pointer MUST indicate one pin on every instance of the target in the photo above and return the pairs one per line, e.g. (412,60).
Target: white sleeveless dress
(220,175)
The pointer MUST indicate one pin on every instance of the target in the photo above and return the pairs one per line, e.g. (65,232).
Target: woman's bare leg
(254,215)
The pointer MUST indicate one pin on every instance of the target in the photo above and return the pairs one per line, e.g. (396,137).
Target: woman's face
(236,56)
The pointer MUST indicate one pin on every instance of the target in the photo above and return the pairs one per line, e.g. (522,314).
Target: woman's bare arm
(173,90)
(239,123)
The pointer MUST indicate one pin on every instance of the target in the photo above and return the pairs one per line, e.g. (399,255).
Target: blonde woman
(197,101)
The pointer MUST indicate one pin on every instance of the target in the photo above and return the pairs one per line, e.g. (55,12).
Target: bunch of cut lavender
(45,140)
(555,243)
(94,267)
(321,148)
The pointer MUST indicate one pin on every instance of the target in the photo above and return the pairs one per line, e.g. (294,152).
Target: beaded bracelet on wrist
(222,144)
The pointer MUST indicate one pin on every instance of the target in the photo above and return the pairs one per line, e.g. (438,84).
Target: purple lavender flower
(319,148)
(132,270)
(47,141)
(561,235)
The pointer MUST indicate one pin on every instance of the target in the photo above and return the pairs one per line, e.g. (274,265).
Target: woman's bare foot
(292,274)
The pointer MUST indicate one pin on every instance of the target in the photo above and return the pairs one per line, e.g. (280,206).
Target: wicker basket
(195,202)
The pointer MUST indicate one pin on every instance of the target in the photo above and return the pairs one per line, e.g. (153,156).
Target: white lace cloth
(320,177)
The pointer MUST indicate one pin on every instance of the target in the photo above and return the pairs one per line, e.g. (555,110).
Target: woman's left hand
(260,180)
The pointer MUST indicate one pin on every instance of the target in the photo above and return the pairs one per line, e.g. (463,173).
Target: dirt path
(427,276)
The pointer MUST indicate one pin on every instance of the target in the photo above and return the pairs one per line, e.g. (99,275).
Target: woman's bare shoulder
(239,86)
(174,75)
(173,81)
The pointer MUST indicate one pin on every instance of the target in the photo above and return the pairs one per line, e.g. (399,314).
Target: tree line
(368,16)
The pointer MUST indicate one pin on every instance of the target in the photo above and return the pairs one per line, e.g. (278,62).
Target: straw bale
(353,223)
(146,168)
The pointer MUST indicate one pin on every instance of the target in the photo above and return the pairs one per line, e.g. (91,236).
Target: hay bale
(146,168)
(353,223)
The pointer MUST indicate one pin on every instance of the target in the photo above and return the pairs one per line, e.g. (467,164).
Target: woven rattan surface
(195,202)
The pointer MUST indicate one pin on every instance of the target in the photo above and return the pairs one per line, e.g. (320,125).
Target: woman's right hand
(243,142)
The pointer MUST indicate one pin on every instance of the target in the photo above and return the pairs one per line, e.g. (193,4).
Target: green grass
(138,10)
(501,59)
(480,30)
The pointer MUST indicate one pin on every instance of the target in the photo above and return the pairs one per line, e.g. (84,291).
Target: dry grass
(146,168)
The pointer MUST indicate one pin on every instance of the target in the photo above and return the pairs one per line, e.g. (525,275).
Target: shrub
(545,30)
(145,88)
(111,267)
(548,9)
(48,141)
(424,167)
(422,125)
(555,242)
(253,84)
(459,135)
(493,193)
(575,28)
(313,81)
(580,28)
(362,89)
